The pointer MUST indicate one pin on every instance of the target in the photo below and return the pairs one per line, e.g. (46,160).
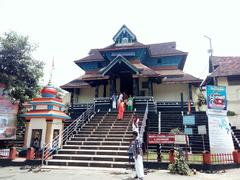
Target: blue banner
(189,120)
(216,98)
(188,131)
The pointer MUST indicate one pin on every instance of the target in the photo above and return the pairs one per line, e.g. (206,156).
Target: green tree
(18,69)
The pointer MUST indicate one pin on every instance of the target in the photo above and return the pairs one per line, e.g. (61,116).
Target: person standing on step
(135,124)
(121,110)
(130,103)
(120,98)
(114,101)
(130,152)
(137,155)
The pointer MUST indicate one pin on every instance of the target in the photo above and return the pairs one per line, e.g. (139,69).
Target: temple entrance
(126,84)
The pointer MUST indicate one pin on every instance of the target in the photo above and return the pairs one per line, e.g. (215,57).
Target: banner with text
(220,136)
(216,98)
(8,117)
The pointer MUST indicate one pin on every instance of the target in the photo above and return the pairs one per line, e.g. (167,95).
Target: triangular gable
(124,32)
(116,60)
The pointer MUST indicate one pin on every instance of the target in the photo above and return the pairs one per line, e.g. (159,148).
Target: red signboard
(163,138)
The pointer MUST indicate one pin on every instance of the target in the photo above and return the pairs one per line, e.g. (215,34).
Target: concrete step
(104,132)
(104,135)
(100,139)
(96,147)
(86,157)
(99,143)
(94,152)
(108,164)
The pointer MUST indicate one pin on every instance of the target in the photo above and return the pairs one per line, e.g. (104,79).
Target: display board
(8,117)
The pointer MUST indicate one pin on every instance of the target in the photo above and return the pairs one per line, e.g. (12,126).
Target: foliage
(231,113)
(18,70)
(180,166)
(201,99)
(176,131)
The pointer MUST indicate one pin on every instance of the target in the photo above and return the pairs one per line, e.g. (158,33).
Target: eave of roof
(115,61)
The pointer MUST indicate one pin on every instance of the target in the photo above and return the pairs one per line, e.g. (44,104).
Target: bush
(231,113)
(180,166)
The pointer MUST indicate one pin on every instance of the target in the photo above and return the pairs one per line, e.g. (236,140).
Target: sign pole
(203,142)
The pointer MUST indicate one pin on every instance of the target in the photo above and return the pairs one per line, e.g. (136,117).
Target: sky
(65,30)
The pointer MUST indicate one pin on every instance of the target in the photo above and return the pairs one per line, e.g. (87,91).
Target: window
(233,80)
(145,85)
(124,40)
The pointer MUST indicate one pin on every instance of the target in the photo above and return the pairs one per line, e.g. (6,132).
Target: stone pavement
(16,173)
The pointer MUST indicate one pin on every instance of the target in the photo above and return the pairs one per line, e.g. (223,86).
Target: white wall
(86,95)
(170,92)
(37,123)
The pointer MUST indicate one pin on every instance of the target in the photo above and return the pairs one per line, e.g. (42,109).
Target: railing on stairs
(144,122)
(50,148)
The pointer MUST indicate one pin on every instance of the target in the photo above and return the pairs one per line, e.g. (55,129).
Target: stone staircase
(102,142)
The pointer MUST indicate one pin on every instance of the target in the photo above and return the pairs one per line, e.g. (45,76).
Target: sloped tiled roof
(123,47)
(76,83)
(163,49)
(185,78)
(94,55)
(225,65)
(144,70)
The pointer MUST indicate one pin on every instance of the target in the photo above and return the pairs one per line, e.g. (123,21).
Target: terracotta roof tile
(94,55)
(144,70)
(225,66)
(185,78)
(163,49)
(76,83)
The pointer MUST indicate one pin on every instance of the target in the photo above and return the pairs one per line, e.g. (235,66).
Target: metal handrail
(142,130)
(52,146)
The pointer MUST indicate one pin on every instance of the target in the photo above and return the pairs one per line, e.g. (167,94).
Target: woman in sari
(121,110)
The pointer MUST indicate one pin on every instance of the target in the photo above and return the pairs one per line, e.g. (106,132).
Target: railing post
(43,152)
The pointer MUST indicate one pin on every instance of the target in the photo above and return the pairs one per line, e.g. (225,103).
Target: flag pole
(51,72)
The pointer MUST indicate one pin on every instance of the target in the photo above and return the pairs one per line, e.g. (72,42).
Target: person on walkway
(121,110)
(130,103)
(130,152)
(137,155)
(114,101)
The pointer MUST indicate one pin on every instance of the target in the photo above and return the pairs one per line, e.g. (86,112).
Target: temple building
(225,71)
(134,68)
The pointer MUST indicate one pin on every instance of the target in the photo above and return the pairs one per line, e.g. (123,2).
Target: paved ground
(16,173)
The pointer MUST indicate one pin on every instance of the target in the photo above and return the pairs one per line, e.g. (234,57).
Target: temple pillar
(190,91)
(71,101)
(49,131)
(114,85)
(96,90)
(111,86)
(26,133)
(150,88)
(104,90)
(135,87)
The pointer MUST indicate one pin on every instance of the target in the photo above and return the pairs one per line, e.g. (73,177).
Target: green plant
(180,166)
(176,131)
(231,113)
(201,99)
